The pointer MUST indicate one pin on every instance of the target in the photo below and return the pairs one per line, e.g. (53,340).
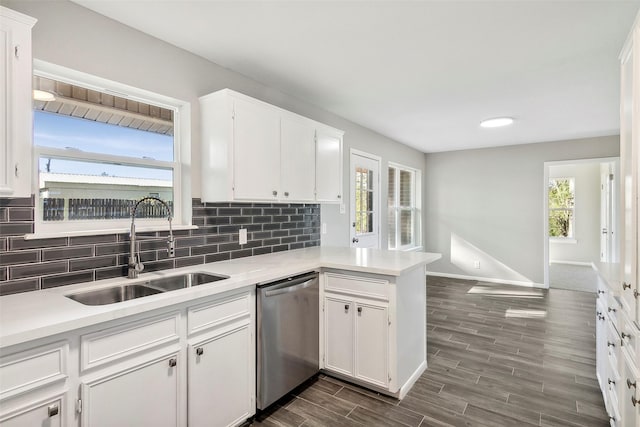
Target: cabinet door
(220,383)
(256,139)
(46,415)
(146,395)
(328,166)
(297,159)
(16,117)
(372,344)
(338,331)
(629,396)
(629,151)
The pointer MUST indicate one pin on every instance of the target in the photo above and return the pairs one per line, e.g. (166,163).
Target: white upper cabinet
(254,151)
(297,162)
(328,165)
(630,160)
(16,114)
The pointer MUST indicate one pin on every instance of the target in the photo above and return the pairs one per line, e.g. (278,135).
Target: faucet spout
(135,264)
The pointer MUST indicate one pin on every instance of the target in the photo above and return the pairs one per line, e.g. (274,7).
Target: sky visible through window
(64,132)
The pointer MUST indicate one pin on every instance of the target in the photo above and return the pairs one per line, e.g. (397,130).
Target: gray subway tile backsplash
(27,265)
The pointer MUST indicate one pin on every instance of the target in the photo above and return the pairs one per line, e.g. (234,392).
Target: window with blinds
(404,208)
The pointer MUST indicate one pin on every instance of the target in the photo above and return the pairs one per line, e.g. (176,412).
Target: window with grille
(404,208)
(562,208)
(97,153)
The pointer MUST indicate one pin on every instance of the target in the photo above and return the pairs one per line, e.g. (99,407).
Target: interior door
(365,200)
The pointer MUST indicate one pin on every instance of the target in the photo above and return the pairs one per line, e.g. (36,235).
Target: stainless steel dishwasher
(287,337)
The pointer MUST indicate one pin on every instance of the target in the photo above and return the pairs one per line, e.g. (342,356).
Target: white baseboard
(412,380)
(488,279)
(580,263)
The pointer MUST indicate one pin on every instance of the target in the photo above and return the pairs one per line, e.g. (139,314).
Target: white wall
(71,36)
(487,205)
(586,247)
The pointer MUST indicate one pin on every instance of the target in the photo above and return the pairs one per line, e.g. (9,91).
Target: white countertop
(33,315)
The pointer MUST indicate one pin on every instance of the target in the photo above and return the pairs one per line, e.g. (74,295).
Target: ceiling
(424,73)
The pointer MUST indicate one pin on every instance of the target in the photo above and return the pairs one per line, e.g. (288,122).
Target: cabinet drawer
(613,348)
(629,336)
(27,370)
(364,286)
(215,313)
(111,344)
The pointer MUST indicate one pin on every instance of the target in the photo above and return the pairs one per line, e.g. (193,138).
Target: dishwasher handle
(288,289)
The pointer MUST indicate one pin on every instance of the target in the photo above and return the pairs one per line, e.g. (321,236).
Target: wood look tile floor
(498,355)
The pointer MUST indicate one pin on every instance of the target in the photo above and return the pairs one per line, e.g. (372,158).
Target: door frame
(615,208)
(352,189)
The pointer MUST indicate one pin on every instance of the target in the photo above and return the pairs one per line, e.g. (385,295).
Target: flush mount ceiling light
(496,122)
(43,95)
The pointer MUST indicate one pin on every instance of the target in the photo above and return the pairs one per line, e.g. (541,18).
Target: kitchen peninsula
(194,348)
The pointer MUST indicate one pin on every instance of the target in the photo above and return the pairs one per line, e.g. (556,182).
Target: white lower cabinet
(356,339)
(146,394)
(220,379)
(47,414)
(363,338)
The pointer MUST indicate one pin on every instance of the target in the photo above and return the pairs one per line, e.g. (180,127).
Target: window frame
(416,208)
(182,209)
(572,185)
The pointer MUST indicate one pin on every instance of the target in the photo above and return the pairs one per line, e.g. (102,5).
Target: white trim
(181,164)
(563,240)
(119,230)
(579,263)
(412,380)
(488,279)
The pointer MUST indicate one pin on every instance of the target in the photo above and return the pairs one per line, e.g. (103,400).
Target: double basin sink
(125,292)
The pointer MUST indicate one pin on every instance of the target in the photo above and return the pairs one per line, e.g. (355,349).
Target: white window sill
(563,241)
(103,231)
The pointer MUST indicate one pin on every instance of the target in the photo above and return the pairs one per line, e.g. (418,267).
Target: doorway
(580,217)
(365,199)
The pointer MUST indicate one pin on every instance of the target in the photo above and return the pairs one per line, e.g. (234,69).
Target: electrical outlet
(324,228)
(476,264)
(242,236)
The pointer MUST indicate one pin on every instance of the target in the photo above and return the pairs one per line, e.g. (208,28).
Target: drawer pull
(173,362)
(199,351)
(360,310)
(53,410)
(623,335)
(634,400)
(346,307)
(631,384)
(600,292)
(598,313)
(601,317)
(611,309)
(610,381)
(626,286)
(610,344)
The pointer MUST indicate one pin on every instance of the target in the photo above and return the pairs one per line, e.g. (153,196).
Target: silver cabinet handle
(611,309)
(623,335)
(53,410)
(600,292)
(610,344)
(199,351)
(601,317)
(286,194)
(626,286)
(631,384)
(346,307)
(634,400)
(354,240)
(173,362)
(339,196)
(360,310)
(610,381)
(274,192)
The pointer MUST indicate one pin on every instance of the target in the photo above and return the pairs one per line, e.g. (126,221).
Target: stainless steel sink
(126,292)
(172,283)
(113,294)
